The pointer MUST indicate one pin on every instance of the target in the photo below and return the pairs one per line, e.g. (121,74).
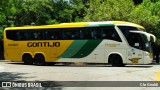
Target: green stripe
(87,48)
(73,48)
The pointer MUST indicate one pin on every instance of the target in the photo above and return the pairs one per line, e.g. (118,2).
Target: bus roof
(127,24)
(78,24)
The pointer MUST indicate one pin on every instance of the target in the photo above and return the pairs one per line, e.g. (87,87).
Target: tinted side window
(71,34)
(52,35)
(125,30)
(11,34)
(81,33)
(86,33)
(36,35)
(22,35)
(91,33)
(17,35)
(110,33)
(107,32)
(96,33)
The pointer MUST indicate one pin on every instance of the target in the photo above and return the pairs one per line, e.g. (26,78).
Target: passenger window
(87,33)
(71,34)
(66,35)
(36,35)
(17,35)
(96,33)
(109,32)
(23,35)
(126,29)
(52,35)
(11,34)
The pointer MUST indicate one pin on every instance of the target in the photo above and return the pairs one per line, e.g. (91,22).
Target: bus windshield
(139,41)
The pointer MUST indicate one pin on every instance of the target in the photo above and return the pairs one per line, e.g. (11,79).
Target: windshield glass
(139,41)
(147,44)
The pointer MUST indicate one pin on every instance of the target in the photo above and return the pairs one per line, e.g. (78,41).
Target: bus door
(135,53)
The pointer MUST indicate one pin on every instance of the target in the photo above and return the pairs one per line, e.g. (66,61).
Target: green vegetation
(41,12)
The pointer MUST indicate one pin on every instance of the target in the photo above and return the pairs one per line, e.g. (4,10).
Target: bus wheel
(27,59)
(116,60)
(39,60)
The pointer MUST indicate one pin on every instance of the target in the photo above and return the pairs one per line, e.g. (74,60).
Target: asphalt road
(12,71)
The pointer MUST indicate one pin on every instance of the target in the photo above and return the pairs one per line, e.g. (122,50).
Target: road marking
(157,74)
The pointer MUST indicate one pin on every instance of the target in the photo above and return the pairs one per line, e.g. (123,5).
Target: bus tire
(39,60)
(116,60)
(27,59)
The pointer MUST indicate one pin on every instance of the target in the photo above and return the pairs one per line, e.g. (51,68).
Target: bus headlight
(149,54)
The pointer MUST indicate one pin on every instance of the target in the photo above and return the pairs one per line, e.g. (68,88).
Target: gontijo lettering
(43,44)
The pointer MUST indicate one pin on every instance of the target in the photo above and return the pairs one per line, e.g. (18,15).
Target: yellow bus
(114,42)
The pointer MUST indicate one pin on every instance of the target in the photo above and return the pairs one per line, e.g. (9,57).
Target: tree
(147,14)
(62,11)
(43,12)
(37,11)
(79,9)
(109,10)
